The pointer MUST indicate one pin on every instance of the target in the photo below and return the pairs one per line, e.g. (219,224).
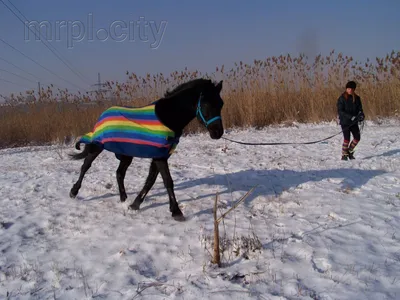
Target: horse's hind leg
(162,165)
(151,179)
(125,162)
(94,151)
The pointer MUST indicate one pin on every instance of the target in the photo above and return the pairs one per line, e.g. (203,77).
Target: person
(350,112)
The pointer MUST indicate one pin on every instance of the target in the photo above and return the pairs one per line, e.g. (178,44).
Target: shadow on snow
(269,183)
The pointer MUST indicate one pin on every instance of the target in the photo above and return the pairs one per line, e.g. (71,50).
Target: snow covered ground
(315,227)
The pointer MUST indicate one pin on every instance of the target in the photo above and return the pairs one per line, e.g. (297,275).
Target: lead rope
(287,143)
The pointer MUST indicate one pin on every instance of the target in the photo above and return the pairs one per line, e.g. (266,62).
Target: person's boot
(345,154)
(345,150)
(351,148)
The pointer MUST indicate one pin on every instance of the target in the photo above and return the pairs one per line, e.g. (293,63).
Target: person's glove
(361,117)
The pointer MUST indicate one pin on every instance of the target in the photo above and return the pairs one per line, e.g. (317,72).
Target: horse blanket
(132,131)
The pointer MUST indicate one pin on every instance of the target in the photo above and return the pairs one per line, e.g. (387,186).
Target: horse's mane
(188,85)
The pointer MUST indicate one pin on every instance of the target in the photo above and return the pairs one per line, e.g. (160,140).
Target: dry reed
(270,91)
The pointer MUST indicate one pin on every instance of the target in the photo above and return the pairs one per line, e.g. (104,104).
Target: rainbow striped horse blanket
(133,131)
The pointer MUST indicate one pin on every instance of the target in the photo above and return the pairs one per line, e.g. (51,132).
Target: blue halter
(199,113)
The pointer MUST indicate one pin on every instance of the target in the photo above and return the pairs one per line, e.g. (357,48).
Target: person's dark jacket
(347,109)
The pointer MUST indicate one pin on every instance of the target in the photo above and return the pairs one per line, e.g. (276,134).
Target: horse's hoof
(134,206)
(180,218)
(123,198)
(72,195)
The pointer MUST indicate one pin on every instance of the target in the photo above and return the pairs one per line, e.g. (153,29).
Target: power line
(62,59)
(57,55)
(22,77)
(1,79)
(10,63)
(36,77)
(31,59)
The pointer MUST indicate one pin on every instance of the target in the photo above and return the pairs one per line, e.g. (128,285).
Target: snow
(315,227)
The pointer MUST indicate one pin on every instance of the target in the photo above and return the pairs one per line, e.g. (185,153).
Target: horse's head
(209,108)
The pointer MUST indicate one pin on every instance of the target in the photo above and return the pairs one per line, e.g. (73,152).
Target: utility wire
(1,79)
(37,78)
(31,59)
(22,77)
(10,63)
(53,51)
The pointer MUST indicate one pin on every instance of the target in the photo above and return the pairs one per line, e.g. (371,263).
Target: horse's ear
(219,86)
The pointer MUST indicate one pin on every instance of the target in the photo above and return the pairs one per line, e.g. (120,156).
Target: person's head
(350,87)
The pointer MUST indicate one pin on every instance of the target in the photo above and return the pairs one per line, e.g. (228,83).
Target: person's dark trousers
(355,131)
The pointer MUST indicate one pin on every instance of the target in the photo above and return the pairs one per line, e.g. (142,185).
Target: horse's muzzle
(216,130)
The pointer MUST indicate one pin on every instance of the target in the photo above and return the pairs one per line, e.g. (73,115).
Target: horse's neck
(178,111)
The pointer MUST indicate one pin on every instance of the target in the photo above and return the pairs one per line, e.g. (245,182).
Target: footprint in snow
(320,264)
(6,225)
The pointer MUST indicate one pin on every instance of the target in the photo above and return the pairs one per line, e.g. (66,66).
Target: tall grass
(264,92)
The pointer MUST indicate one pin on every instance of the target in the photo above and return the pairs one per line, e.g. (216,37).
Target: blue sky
(197,35)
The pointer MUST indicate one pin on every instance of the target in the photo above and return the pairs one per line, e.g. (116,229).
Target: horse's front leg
(151,179)
(162,165)
(93,152)
(125,162)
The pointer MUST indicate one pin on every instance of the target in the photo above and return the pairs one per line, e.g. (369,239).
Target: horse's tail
(83,154)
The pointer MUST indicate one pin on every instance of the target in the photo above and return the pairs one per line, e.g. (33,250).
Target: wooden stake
(217,257)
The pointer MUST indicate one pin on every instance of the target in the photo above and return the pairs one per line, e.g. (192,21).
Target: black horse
(197,98)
